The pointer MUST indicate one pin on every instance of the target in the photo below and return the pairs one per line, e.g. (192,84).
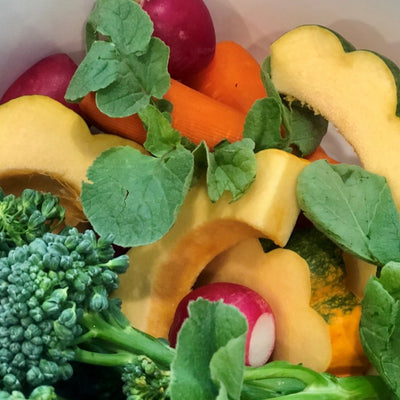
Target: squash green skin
(356,90)
(332,299)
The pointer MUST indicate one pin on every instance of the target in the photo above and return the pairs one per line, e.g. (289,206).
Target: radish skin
(186,27)
(260,339)
(50,77)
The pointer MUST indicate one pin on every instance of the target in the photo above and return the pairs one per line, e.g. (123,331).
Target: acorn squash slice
(162,273)
(48,147)
(356,90)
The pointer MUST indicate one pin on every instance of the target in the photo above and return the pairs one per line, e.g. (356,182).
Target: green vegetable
(40,393)
(279,379)
(380,324)
(303,129)
(355,209)
(128,72)
(25,217)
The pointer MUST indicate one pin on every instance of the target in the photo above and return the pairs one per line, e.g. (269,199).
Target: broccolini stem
(104,359)
(316,385)
(128,339)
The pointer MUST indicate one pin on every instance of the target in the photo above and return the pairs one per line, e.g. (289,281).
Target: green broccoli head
(40,393)
(144,380)
(45,288)
(26,217)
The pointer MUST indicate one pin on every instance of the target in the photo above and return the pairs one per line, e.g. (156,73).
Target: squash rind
(357,91)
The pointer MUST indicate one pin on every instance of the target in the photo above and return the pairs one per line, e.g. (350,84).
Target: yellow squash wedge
(161,274)
(282,278)
(46,146)
(356,90)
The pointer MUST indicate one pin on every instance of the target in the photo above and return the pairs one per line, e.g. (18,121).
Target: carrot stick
(233,77)
(195,115)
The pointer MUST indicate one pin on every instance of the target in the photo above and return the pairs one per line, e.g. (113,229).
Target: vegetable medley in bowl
(174,225)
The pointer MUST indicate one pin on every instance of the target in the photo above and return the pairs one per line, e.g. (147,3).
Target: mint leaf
(161,136)
(380,324)
(209,360)
(126,70)
(353,207)
(135,196)
(231,167)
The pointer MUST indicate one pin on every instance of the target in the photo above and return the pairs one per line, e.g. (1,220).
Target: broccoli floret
(55,307)
(26,217)
(144,380)
(40,393)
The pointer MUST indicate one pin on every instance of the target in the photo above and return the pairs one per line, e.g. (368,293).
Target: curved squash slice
(162,273)
(48,147)
(281,277)
(358,91)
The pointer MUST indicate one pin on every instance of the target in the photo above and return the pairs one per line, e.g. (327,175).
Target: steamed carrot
(320,154)
(195,115)
(233,77)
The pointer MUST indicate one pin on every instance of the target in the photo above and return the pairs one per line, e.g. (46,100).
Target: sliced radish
(260,339)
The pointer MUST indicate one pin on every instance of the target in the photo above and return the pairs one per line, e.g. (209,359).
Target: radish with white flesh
(49,77)
(260,339)
(186,27)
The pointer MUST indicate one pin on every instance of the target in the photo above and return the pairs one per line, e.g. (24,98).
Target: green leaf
(97,70)
(231,167)
(134,196)
(127,25)
(380,324)
(353,207)
(161,136)
(302,130)
(263,125)
(128,68)
(140,78)
(209,360)
(305,128)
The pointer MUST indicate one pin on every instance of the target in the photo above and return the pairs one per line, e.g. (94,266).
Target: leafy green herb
(209,362)
(302,129)
(380,324)
(142,194)
(129,68)
(353,207)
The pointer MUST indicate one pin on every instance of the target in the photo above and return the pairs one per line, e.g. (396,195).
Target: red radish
(187,28)
(260,319)
(50,77)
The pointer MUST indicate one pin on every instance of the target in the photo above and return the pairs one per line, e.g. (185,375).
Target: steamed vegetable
(303,64)
(233,77)
(259,315)
(50,76)
(163,272)
(186,27)
(332,298)
(50,149)
(355,209)
(195,115)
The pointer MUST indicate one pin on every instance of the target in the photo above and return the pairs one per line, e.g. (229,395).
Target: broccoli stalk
(55,307)
(280,379)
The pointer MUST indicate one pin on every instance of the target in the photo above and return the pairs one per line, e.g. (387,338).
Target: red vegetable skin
(187,28)
(50,77)
(260,339)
